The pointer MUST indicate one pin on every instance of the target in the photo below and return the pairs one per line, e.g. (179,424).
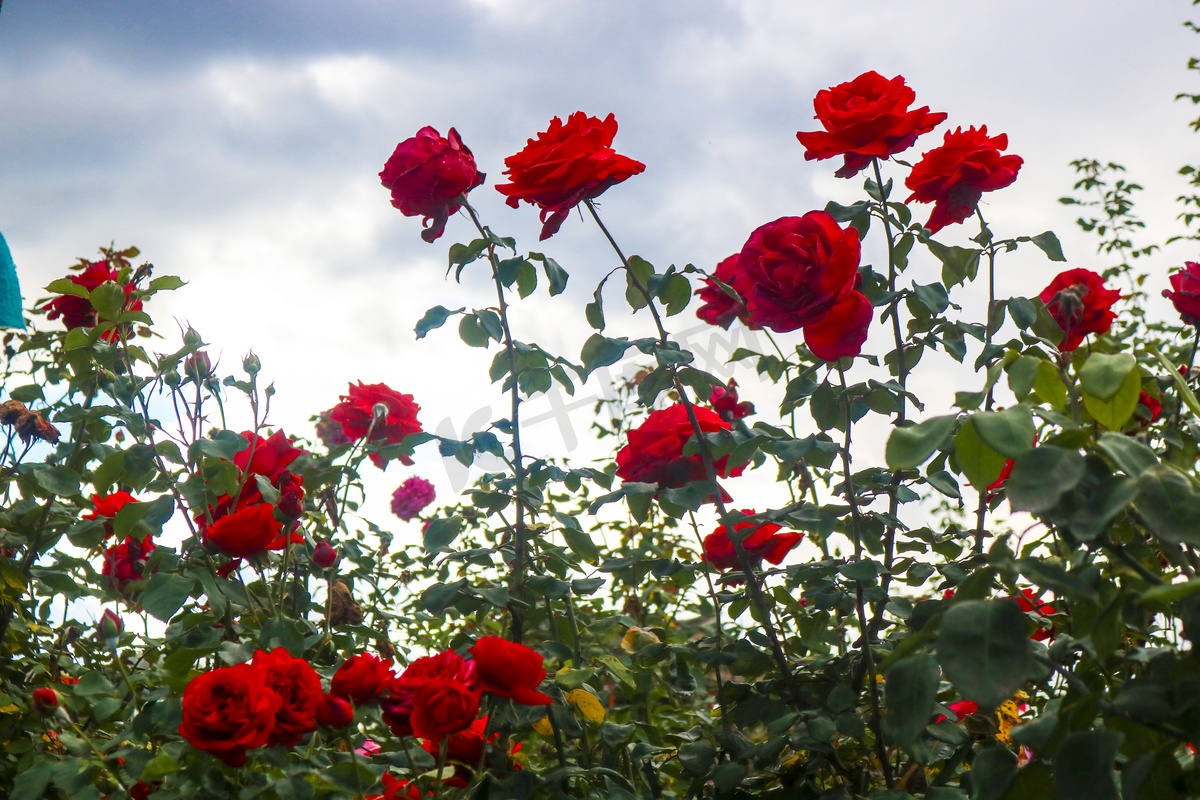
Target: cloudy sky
(238,144)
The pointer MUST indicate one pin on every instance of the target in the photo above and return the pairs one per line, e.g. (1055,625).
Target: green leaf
(600,351)
(979,462)
(1023,312)
(1009,432)
(581,544)
(27,394)
(1049,245)
(1083,766)
(910,447)
(1103,375)
(440,533)
(1049,386)
(1022,374)
(60,480)
(697,758)
(472,332)
(159,767)
(992,773)
(1185,392)
(165,594)
(1115,412)
(107,299)
(555,274)
(1041,476)
(434,318)
(1169,505)
(1129,454)
(911,690)
(639,272)
(30,783)
(984,650)
(676,294)
(166,283)
(958,263)
(67,286)
(1169,592)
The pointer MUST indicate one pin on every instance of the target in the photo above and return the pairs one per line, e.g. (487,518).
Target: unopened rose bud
(191,337)
(334,712)
(324,556)
(251,364)
(110,626)
(171,379)
(45,701)
(197,367)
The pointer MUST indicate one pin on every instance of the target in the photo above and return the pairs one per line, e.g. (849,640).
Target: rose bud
(197,367)
(251,364)
(324,556)
(110,626)
(334,712)
(45,701)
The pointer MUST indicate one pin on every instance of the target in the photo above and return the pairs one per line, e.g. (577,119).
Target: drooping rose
(508,669)
(361,678)
(77,312)
(357,409)
(724,400)
(443,706)
(426,174)
(1080,304)
(955,175)
(565,165)
(299,690)
(1030,603)
(1184,293)
(766,542)
(248,531)
(228,711)
(866,118)
(412,496)
(654,453)
(126,562)
(802,272)
(719,308)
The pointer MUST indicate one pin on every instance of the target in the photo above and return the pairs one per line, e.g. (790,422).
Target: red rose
(566,165)
(126,562)
(443,706)
(229,711)
(44,701)
(465,750)
(1186,292)
(802,272)
(267,457)
(724,400)
(334,712)
(508,669)
(1080,304)
(356,412)
(324,556)
(1028,602)
(719,308)
(426,174)
(654,453)
(397,709)
(299,689)
(396,789)
(140,791)
(106,506)
(954,176)
(961,709)
(361,678)
(1148,409)
(77,312)
(765,542)
(248,531)
(866,118)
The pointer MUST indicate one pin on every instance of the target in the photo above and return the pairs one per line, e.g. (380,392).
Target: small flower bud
(324,556)
(251,364)
(191,337)
(45,701)
(334,712)
(171,379)
(197,367)
(110,626)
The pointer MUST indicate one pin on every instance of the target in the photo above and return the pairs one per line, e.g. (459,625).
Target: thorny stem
(753,580)
(516,576)
(712,593)
(981,509)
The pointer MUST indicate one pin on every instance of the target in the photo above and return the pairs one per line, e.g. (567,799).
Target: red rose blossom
(962,709)
(766,542)
(565,165)
(126,562)
(44,701)
(1184,293)
(1028,603)
(866,118)
(356,412)
(361,678)
(77,312)
(443,706)
(426,174)
(249,531)
(299,689)
(1148,409)
(719,308)
(397,708)
(954,176)
(140,791)
(268,457)
(465,749)
(334,712)
(508,669)
(228,711)
(724,400)
(106,506)
(1080,304)
(654,453)
(802,272)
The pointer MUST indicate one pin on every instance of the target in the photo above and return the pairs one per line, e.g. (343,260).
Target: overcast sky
(238,144)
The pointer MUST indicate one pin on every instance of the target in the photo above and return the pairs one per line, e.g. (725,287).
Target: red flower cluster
(272,700)
(427,174)
(654,453)
(866,118)
(1184,293)
(356,412)
(246,525)
(565,165)
(1080,304)
(126,562)
(954,176)
(77,312)
(766,542)
(106,506)
(724,400)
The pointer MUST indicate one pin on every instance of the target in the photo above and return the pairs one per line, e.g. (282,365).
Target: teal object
(11,313)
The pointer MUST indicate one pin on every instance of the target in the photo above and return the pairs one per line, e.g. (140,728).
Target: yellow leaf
(543,727)
(10,709)
(587,703)
(636,638)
